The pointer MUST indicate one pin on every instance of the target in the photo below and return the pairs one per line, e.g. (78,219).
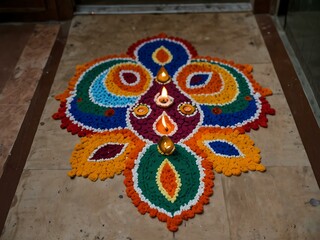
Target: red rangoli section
(168,180)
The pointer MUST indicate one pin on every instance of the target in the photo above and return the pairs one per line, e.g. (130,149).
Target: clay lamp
(166,146)
(187,109)
(164,125)
(141,110)
(163,76)
(163,99)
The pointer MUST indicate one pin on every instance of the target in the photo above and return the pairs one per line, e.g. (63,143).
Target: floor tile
(213,34)
(266,76)
(280,142)
(65,72)
(213,223)
(48,204)
(273,205)
(51,149)
(52,146)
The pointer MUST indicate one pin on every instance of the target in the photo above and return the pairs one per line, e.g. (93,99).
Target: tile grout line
(16,160)
(226,206)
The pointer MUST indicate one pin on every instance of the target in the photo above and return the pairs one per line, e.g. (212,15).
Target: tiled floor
(270,205)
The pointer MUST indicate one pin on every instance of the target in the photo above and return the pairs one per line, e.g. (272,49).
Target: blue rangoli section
(102,122)
(179,53)
(103,97)
(224,148)
(198,80)
(228,119)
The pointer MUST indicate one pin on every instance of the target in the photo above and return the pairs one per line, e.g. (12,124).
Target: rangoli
(165,118)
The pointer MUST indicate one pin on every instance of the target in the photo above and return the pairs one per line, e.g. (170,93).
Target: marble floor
(48,204)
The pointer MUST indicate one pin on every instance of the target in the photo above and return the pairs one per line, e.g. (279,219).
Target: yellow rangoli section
(227,94)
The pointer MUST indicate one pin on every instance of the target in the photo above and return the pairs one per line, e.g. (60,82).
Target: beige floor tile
(285,148)
(272,205)
(50,205)
(230,36)
(52,146)
(213,223)
(51,149)
(65,72)
(266,76)
(280,143)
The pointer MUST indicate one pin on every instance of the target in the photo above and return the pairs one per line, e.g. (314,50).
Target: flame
(164,92)
(164,125)
(163,120)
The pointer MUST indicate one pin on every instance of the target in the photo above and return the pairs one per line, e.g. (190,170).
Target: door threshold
(162,8)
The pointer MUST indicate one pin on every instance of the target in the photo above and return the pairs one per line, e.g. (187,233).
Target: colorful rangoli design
(111,103)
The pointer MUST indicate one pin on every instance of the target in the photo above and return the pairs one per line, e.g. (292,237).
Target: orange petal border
(104,169)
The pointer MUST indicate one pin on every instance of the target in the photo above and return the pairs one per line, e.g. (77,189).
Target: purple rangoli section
(129,77)
(185,124)
(107,151)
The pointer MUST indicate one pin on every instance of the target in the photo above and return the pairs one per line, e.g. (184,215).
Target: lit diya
(166,146)
(141,110)
(163,99)
(163,76)
(164,125)
(187,109)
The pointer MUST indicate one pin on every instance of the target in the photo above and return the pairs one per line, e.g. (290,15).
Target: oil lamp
(166,146)
(186,108)
(141,110)
(164,125)
(163,76)
(163,99)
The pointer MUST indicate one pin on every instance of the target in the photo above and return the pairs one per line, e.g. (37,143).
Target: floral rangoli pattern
(111,103)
